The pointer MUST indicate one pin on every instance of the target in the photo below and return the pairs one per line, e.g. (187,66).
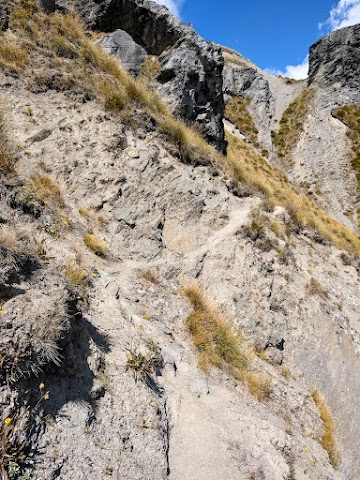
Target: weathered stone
(131,55)
(191,68)
(335,59)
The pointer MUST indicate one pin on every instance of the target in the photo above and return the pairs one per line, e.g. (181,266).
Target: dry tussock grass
(219,344)
(328,440)
(315,287)
(18,240)
(46,190)
(7,154)
(237,111)
(96,244)
(245,165)
(13,59)
(96,72)
(292,124)
(75,273)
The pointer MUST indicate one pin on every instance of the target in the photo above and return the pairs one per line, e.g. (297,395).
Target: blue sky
(276,35)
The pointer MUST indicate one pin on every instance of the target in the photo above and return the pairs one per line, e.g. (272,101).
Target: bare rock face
(247,82)
(191,68)
(335,59)
(131,54)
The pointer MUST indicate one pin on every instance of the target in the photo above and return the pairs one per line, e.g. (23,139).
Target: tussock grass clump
(315,287)
(13,58)
(75,273)
(328,440)
(149,69)
(46,190)
(7,154)
(292,124)
(96,244)
(237,111)
(234,60)
(219,344)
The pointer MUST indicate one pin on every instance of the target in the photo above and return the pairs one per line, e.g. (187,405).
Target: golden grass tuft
(219,344)
(46,190)
(7,155)
(85,213)
(315,287)
(13,58)
(237,111)
(75,273)
(292,124)
(328,440)
(96,244)
(149,69)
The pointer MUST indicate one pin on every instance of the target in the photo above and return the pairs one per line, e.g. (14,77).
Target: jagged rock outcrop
(191,68)
(334,60)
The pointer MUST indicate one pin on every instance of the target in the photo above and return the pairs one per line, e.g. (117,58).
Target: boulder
(131,54)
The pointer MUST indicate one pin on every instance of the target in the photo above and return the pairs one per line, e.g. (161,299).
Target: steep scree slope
(102,225)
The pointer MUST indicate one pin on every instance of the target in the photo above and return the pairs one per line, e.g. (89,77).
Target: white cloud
(344,14)
(298,72)
(172,5)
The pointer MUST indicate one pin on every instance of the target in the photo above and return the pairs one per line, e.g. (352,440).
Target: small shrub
(316,288)
(328,440)
(22,198)
(96,244)
(149,276)
(146,367)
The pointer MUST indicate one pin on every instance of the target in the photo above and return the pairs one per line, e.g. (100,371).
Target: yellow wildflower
(8,420)
(65,222)
(41,386)
(1,312)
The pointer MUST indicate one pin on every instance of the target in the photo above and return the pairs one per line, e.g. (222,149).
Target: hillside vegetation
(75,63)
(292,125)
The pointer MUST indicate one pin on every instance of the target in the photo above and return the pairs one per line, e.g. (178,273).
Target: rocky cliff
(334,60)
(167,311)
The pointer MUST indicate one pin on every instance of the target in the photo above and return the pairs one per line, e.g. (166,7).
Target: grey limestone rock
(335,59)
(191,68)
(131,54)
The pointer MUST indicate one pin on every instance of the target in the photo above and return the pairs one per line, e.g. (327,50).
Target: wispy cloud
(173,5)
(298,72)
(343,14)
